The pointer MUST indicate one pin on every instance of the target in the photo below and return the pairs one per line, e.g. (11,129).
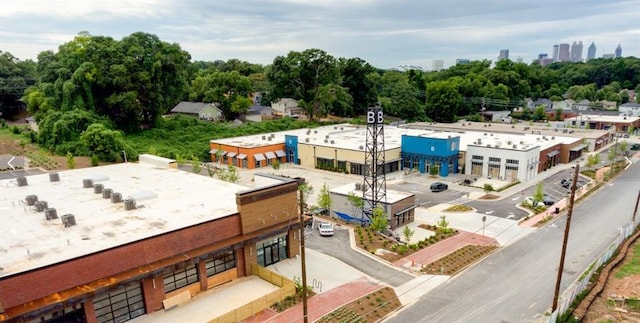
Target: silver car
(325,229)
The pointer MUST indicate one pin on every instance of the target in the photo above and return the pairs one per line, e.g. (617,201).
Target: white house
(287,106)
(630,109)
(204,111)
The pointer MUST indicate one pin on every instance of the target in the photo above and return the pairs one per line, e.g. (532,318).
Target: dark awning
(579,147)
(407,209)
(553,153)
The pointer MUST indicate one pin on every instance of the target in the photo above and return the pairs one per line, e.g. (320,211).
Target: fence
(287,288)
(578,286)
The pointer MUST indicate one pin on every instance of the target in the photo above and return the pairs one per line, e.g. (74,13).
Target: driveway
(338,246)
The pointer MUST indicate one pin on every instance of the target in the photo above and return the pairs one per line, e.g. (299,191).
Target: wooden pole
(635,210)
(302,258)
(566,238)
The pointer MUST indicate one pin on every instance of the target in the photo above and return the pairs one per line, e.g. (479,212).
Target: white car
(529,201)
(325,229)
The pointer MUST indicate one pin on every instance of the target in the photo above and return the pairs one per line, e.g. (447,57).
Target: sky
(385,33)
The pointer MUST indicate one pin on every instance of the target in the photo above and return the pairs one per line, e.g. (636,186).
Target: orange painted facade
(248,157)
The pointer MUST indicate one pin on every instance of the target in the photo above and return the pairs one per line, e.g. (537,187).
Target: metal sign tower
(374,190)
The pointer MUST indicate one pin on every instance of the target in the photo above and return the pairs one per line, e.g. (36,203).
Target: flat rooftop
(518,128)
(271,138)
(167,200)
(603,118)
(392,196)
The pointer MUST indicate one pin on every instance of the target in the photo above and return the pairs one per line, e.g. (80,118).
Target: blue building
(424,153)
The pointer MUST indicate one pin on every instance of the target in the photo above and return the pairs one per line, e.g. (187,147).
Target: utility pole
(615,152)
(303,264)
(566,237)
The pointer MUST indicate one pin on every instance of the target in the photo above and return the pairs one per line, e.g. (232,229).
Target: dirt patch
(488,197)
(370,308)
(620,299)
(14,145)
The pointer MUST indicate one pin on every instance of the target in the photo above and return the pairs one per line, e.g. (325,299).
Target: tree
(443,226)
(538,194)
(307,189)
(357,203)
(300,75)
(228,89)
(379,219)
(443,101)
(71,161)
(15,77)
(407,233)
(102,141)
(230,174)
(488,188)
(276,164)
(593,160)
(210,171)
(324,198)
(195,164)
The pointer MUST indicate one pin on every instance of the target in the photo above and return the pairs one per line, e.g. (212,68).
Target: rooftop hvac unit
(31,199)
(22,181)
(315,131)
(54,177)
(106,193)
(479,141)
(116,197)
(97,188)
(50,213)
(333,142)
(553,138)
(269,138)
(129,204)
(41,205)
(306,139)
(326,137)
(68,220)
(361,147)
(326,141)
(308,131)
(87,182)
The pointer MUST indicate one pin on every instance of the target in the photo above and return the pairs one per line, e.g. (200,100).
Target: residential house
(496,116)
(287,106)
(566,104)
(631,109)
(584,105)
(259,113)
(546,103)
(608,105)
(204,111)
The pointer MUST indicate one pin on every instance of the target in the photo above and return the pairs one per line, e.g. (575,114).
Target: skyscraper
(556,50)
(591,52)
(437,65)
(576,52)
(504,54)
(619,51)
(564,53)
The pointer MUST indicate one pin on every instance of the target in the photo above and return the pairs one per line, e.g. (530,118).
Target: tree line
(126,85)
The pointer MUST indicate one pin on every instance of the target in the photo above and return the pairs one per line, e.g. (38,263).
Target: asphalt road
(337,246)
(516,284)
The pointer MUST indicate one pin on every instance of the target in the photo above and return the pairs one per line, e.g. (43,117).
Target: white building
(518,162)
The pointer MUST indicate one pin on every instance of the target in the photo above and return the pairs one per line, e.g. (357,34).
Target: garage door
(119,305)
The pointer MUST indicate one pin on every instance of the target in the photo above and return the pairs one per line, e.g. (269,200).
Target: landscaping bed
(370,308)
(457,260)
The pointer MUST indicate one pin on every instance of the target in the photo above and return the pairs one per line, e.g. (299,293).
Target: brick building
(108,244)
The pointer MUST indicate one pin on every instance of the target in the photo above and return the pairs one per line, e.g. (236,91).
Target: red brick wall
(29,286)
(89,311)
(153,297)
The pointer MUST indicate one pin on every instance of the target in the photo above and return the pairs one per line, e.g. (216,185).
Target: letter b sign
(374,116)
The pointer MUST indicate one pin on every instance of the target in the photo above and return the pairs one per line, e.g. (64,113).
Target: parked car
(566,183)
(529,201)
(439,187)
(548,200)
(325,229)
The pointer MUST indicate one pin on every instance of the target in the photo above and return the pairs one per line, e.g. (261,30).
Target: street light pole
(566,237)
(125,155)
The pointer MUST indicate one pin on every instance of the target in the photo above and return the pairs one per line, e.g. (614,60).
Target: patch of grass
(458,208)
(632,265)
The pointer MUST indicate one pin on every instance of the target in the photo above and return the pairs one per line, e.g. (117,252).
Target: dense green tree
(360,87)
(15,77)
(102,141)
(300,75)
(443,100)
(224,88)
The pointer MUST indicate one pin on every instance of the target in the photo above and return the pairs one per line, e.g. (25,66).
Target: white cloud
(384,33)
